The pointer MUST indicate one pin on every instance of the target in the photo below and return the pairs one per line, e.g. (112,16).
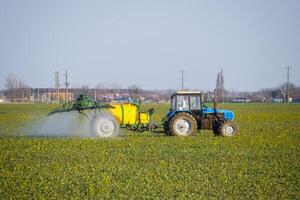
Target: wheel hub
(229,130)
(182,127)
(106,127)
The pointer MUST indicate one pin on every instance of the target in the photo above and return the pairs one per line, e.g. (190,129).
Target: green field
(262,162)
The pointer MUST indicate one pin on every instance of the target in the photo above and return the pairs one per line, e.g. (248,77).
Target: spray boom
(83,102)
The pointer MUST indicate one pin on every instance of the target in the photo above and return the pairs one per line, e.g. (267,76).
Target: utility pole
(182,78)
(57,86)
(288,84)
(66,86)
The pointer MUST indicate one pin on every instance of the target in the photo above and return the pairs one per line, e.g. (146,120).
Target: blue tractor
(188,114)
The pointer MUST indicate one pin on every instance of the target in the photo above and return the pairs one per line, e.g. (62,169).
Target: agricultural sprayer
(105,119)
(187,114)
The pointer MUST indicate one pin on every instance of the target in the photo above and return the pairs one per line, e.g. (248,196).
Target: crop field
(262,162)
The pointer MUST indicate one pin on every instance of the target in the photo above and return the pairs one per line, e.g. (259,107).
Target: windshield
(182,102)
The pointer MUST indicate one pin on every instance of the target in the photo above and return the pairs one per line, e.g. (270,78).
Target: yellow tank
(129,114)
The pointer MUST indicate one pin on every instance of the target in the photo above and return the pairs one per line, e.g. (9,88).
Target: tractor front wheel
(226,129)
(104,126)
(183,124)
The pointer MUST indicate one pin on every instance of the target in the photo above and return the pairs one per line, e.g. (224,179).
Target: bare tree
(85,89)
(11,83)
(220,90)
(17,88)
(100,88)
(22,90)
(115,88)
(134,91)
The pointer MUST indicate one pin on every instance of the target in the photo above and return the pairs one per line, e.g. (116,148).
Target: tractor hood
(228,114)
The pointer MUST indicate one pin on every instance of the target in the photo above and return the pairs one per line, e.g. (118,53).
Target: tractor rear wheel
(226,129)
(183,124)
(104,126)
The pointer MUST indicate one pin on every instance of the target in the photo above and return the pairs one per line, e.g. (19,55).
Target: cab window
(195,102)
(173,103)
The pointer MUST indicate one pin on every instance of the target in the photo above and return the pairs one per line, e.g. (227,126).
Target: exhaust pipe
(215,100)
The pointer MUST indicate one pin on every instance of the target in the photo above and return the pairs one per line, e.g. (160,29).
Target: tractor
(188,114)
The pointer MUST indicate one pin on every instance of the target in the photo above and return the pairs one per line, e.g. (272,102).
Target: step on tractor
(187,114)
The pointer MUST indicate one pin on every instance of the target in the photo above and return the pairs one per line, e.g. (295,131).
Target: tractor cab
(186,100)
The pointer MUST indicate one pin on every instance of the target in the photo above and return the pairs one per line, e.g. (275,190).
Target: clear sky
(147,42)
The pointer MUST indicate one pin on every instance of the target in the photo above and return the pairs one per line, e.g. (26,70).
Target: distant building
(241,100)
(277,100)
(52,96)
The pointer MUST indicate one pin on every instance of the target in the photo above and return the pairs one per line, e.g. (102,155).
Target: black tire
(104,126)
(226,129)
(186,127)
(215,128)
(166,127)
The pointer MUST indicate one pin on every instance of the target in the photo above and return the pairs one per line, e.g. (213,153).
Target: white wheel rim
(182,127)
(229,130)
(105,128)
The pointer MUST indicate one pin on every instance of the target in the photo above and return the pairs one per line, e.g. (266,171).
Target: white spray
(67,124)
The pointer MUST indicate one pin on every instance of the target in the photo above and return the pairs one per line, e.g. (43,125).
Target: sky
(147,43)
